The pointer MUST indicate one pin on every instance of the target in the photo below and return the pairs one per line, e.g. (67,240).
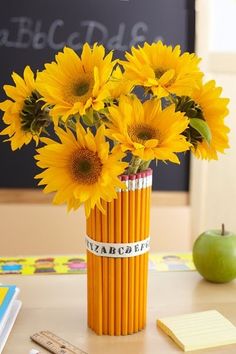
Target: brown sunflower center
(86,166)
(159,72)
(80,89)
(142,132)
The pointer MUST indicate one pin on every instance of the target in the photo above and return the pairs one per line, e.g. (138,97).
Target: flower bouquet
(111,119)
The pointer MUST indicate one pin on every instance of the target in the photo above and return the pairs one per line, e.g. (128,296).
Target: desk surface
(58,303)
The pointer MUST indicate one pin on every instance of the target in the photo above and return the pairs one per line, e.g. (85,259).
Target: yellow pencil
(139,213)
(141,261)
(143,232)
(131,259)
(105,272)
(89,290)
(147,231)
(98,277)
(138,237)
(125,239)
(118,266)
(111,272)
(92,260)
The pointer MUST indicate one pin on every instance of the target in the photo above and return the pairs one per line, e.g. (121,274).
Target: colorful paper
(76,264)
(71,264)
(171,261)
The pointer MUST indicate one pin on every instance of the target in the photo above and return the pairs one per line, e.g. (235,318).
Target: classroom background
(187,199)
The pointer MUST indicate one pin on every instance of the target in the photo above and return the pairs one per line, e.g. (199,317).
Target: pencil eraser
(132,177)
(149,171)
(139,175)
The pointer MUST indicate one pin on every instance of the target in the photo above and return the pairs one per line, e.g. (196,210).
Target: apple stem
(223,229)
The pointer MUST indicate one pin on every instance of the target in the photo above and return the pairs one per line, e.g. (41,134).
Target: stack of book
(9,309)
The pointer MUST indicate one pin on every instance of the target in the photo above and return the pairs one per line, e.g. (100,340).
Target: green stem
(144,165)
(222,229)
(98,120)
(70,124)
(134,165)
(171,99)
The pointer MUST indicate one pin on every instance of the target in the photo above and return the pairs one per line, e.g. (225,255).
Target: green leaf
(202,128)
(88,118)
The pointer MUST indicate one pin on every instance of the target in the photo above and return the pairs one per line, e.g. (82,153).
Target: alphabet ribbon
(117,250)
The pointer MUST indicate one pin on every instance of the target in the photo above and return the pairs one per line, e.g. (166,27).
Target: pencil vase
(117,259)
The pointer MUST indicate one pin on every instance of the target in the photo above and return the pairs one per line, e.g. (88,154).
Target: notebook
(199,330)
(9,324)
(9,309)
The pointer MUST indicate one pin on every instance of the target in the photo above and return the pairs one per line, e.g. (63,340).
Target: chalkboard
(31,32)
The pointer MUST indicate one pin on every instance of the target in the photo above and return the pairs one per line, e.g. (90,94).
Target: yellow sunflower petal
(72,84)
(214,110)
(152,133)
(118,84)
(80,169)
(162,69)
(19,122)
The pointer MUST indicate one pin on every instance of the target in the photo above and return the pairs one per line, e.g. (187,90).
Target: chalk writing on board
(24,32)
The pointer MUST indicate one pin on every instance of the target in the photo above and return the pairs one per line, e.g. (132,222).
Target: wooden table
(58,303)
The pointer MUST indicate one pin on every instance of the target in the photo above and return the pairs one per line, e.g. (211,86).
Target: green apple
(214,255)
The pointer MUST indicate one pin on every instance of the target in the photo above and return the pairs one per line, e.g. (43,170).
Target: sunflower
(73,84)
(206,104)
(80,168)
(23,112)
(162,69)
(146,130)
(119,85)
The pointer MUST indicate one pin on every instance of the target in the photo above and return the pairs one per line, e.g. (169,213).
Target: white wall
(213,184)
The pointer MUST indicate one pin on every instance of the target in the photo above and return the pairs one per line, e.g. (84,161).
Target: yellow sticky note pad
(199,330)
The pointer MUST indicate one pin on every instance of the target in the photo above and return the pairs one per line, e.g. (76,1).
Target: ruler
(55,344)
